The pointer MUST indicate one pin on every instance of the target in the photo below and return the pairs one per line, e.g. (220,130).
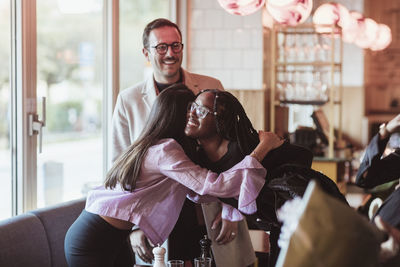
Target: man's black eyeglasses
(162,48)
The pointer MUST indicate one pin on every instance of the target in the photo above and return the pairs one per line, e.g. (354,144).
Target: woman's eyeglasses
(201,111)
(162,48)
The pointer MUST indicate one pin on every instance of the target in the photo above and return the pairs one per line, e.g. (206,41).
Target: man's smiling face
(166,67)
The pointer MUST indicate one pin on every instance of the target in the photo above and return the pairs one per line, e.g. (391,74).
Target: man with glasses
(163,48)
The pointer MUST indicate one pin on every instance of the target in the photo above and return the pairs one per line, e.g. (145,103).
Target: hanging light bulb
(331,14)
(353,27)
(267,19)
(290,12)
(368,33)
(383,39)
(241,7)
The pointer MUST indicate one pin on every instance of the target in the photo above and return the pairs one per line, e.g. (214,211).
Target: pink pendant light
(290,12)
(267,19)
(368,33)
(353,27)
(331,14)
(241,7)
(384,38)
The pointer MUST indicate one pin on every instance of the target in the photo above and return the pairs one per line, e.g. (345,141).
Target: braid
(246,135)
(232,122)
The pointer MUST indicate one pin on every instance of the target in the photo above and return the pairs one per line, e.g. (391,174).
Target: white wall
(230,48)
(225,46)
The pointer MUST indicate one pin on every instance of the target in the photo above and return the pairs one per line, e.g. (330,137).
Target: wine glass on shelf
(303,48)
(310,92)
(291,48)
(326,47)
(282,48)
(281,85)
(290,85)
(308,47)
(318,51)
(323,91)
(299,92)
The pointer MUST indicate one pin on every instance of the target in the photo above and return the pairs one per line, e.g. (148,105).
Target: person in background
(376,170)
(163,48)
(225,135)
(148,184)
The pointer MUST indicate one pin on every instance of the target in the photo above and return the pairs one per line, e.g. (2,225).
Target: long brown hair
(167,119)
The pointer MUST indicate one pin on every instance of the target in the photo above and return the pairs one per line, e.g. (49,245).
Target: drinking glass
(202,262)
(175,263)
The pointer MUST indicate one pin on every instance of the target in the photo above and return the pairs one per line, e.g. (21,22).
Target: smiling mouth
(192,123)
(170,61)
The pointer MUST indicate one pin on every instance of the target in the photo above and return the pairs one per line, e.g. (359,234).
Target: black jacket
(380,171)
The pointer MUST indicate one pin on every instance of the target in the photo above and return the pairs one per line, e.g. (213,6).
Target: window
(5,110)
(57,57)
(134,16)
(69,75)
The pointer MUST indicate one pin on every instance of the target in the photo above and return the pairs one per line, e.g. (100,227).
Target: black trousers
(92,242)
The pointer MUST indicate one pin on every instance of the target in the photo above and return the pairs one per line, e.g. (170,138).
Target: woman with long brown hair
(149,182)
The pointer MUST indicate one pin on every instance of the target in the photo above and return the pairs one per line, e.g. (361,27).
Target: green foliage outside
(59,38)
(59,120)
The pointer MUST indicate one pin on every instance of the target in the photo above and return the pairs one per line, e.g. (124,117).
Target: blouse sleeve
(193,196)
(228,212)
(244,180)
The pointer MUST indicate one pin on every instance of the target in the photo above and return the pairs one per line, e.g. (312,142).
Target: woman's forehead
(206,96)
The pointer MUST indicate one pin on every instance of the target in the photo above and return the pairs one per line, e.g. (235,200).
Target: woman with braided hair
(225,135)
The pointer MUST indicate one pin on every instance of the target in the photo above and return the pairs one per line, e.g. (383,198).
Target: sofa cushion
(23,242)
(56,220)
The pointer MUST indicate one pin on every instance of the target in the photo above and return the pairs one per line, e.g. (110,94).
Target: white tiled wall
(227,47)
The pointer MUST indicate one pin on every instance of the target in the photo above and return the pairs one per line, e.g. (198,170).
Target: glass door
(134,15)
(54,56)
(5,112)
(70,81)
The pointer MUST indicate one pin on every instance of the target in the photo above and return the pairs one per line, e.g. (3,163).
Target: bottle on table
(205,246)
(205,259)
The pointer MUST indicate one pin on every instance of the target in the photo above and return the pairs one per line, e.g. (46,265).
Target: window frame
(23,83)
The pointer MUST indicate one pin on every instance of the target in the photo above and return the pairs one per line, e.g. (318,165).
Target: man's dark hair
(155,24)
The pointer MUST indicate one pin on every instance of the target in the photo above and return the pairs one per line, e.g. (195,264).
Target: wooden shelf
(331,65)
(305,102)
(314,64)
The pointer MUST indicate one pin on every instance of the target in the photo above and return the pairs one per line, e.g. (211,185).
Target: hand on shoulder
(268,142)
(270,139)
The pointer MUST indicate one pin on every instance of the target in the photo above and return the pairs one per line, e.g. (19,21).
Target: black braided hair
(232,122)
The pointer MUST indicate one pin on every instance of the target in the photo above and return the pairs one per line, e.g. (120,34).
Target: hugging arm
(226,220)
(246,176)
(141,245)
(228,212)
